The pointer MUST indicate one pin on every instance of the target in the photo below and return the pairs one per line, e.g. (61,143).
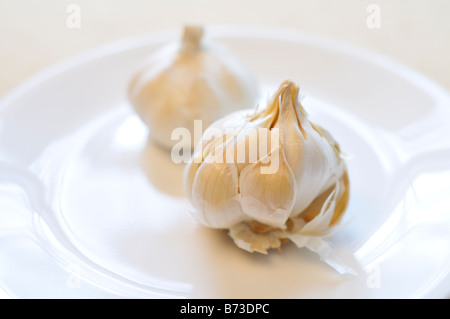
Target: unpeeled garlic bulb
(187,81)
(291,184)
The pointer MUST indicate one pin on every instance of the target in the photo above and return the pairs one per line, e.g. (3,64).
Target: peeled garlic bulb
(270,176)
(187,81)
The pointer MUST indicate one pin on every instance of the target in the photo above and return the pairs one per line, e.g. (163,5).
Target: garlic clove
(342,194)
(322,220)
(307,150)
(215,194)
(268,198)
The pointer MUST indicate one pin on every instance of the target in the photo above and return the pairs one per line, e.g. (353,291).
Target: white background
(34,34)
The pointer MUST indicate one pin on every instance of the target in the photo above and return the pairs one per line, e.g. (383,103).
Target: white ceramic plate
(90,208)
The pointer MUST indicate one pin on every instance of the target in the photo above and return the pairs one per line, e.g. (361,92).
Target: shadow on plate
(162,172)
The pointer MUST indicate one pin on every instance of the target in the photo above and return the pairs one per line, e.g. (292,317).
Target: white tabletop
(36,34)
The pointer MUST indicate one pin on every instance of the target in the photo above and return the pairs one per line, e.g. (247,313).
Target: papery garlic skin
(187,81)
(300,202)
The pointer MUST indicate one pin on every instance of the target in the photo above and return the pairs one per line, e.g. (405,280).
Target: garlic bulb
(187,81)
(270,176)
